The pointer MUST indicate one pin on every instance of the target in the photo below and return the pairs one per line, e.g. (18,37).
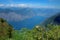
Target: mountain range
(26,17)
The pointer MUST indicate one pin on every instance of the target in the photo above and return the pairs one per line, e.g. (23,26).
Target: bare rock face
(5,30)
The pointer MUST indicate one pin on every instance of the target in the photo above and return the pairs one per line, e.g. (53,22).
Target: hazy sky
(31,3)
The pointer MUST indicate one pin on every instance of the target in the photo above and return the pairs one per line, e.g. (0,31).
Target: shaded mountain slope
(5,29)
(55,20)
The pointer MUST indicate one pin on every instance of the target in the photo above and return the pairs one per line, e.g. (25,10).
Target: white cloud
(1,5)
(29,5)
(14,5)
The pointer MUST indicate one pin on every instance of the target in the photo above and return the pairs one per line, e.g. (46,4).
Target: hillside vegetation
(51,32)
(5,29)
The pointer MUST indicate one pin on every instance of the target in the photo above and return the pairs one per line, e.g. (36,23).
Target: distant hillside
(55,20)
